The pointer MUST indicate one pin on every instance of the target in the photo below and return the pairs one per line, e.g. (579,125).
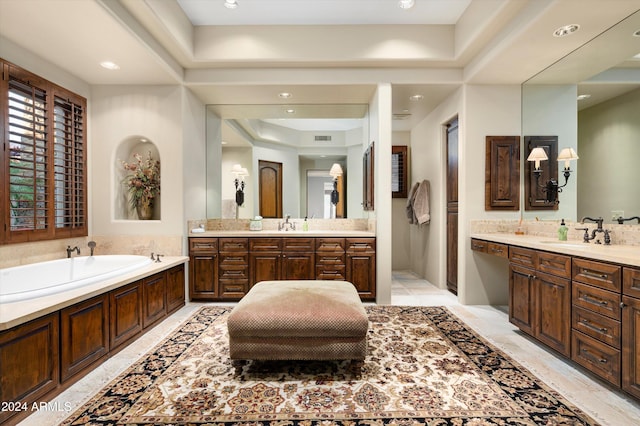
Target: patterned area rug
(424,366)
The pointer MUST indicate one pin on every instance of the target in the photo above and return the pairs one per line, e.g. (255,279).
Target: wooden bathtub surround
(225,268)
(42,357)
(585,308)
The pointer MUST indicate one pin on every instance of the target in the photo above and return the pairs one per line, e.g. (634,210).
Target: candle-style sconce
(240,174)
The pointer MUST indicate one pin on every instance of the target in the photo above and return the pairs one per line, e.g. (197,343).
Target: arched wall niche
(126,150)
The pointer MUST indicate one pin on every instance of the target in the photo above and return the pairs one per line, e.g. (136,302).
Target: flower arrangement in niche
(143,184)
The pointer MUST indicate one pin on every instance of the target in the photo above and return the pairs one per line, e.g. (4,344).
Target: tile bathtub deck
(599,401)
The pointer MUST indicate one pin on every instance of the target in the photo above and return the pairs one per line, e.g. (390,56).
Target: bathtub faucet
(71,250)
(92,246)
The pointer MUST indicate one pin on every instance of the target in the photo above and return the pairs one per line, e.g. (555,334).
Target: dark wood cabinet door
(502,173)
(631,346)
(154,302)
(33,348)
(521,298)
(84,335)
(361,272)
(125,319)
(534,197)
(175,288)
(270,189)
(298,266)
(553,320)
(264,267)
(203,276)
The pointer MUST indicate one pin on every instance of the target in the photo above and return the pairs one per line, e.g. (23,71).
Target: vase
(144,208)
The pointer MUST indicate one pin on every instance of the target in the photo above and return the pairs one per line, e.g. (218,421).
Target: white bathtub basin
(45,278)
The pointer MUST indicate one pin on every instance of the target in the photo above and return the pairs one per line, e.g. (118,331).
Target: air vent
(320,138)
(401,116)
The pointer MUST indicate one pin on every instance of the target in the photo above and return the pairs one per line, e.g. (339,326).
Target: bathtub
(26,282)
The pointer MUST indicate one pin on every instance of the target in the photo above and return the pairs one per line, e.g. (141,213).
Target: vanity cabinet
(361,265)
(330,259)
(631,331)
(203,268)
(225,268)
(540,296)
(596,334)
(233,268)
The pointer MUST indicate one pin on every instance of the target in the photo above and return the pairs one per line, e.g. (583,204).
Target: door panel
(270,189)
(452,206)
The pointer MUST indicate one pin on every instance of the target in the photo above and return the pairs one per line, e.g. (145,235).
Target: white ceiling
(322,51)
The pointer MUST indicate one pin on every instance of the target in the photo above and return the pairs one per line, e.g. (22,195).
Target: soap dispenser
(305,224)
(562,231)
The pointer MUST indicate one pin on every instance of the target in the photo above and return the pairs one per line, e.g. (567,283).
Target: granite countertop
(16,313)
(296,233)
(624,254)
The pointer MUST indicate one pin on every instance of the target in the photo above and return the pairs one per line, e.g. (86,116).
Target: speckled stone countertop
(16,313)
(298,233)
(617,253)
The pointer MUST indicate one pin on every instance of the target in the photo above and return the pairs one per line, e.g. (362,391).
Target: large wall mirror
(591,100)
(307,140)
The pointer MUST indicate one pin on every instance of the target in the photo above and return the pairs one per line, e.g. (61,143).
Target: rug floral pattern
(424,366)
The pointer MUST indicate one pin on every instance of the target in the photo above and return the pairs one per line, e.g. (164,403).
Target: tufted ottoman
(299,320)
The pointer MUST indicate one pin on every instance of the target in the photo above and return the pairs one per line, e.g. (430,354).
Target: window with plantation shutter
(43,159)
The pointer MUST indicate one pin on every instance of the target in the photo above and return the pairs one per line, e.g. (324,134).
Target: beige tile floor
(601,402)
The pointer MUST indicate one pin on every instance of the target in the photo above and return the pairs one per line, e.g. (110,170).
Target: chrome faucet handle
(92,246)
(158,258)
(607,237)
(152,258)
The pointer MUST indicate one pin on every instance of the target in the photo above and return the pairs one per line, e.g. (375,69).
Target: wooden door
(553,318)
(452,206)
(521,298)
(631,345)
(270,189)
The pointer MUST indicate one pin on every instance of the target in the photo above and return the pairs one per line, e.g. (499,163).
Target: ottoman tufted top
(314,308)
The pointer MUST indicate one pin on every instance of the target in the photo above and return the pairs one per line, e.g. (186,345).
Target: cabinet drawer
(265,244)
(522,256)
(306,245)
(335,272)
(479,245)
(496,249)
(233,244)
(334,245)
(360,245)
(554,264)
(595,356)
(203,245)
(330,259)
(233,288)
(599,274)
(596,299)
(631,282)
(598,326)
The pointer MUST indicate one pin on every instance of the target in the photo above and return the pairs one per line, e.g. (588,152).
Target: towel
(421,203)
(410,212)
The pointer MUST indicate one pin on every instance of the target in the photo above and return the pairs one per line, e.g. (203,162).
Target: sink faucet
(621,220)
(286,225)
(598,221)
(71,250)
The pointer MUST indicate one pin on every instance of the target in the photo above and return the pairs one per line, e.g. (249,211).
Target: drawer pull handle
(594,301)
(495,250)
(588,324)
(594,274)
(589,355)
(478,246)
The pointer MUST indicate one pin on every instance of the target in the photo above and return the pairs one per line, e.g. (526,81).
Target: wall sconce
(335,171)
(240,173)
(551,187)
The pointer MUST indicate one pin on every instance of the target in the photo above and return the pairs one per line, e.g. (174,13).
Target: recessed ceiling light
(585,96)
(406,4)
(284,95)
(290,111)
(231,4)
(566,30)
(636,33)
(416,97)
(109,65)
(224,142)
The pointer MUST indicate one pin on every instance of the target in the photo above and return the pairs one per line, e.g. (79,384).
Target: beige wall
(401,251)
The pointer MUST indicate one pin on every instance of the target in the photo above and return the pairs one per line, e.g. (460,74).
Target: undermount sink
(565,244)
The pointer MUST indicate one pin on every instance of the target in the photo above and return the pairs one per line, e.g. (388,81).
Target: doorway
(270,188)
(452,205)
